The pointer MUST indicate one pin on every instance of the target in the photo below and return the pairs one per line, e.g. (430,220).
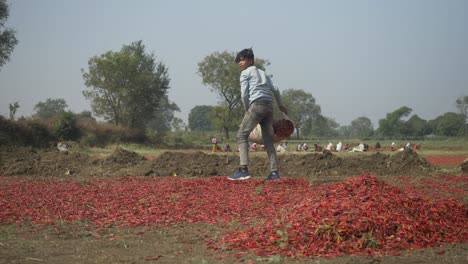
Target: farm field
(138,205)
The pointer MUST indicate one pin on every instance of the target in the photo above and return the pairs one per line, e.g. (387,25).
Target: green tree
(361,127)
(85,115)
(450,125)
(415,127)
(126,87)
(462,105)
(8,39)
(50,108)
(178,124)
(201,118)
(13,109)
(164,116)
(321,126)
(302,109)
(219,115)
(65,127)
(220,72)
(344,131)
(392,125)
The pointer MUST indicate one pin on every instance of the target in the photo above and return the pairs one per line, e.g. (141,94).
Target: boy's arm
(277,95)
(278,100)
(244,84)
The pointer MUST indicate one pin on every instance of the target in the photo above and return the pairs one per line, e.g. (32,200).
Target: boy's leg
(252,117)
(267,135)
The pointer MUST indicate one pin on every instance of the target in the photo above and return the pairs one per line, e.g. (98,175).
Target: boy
(257,92)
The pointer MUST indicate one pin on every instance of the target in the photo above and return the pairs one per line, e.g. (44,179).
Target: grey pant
(258,113)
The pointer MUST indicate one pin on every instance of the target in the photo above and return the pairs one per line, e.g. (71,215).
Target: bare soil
(23,161)
(187,243)
(464,166)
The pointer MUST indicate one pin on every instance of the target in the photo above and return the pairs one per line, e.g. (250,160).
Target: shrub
(26,132)
(40,134)
(65,126)
(101,134)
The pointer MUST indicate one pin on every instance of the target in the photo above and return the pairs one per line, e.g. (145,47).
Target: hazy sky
(357,58)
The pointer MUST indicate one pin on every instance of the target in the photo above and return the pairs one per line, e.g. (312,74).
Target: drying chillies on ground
(361,215)
(446,160)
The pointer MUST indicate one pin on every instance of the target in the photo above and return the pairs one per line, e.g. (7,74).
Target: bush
(181,139)
(26,132)
(102,134)
(66,127)
(40,134)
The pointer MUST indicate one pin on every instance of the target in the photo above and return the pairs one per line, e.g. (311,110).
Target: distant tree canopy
(85,115)
(8,39)
(163,119)
(303,110)
(415,127)
(391,126)
(13,109)
(50,108)
(322,126)
(221,73)
(361,127)
(126,87)
(448,124)
(201,118)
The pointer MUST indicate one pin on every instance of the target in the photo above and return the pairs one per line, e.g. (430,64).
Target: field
(141,205)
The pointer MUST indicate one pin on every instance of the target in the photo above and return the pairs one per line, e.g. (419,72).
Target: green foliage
(164,116)
(322,127)
(415,127)
(126,87)
(303,110)
(220,114)
(25,133)
(66,128)
(8,39)
(13,108)
(40,134)
(178,124)
(85,115)
(50,108)
(361,127)
(449,124)
(200,118)
(180,139)
(101,134)
(392,125)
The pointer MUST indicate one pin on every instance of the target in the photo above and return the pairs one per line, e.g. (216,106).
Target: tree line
(129,88)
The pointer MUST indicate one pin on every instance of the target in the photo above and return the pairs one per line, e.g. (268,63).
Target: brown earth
(464,166)
(186,243)
(24,161)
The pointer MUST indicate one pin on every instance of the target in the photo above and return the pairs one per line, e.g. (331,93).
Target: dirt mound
(193,164)
(464,166)
(123,156)
(408,160)
(27,161)
(314,166)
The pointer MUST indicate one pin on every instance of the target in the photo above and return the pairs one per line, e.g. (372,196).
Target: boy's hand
(283,109)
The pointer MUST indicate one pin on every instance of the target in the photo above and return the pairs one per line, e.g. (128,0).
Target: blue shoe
(274,175)
(240,175)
